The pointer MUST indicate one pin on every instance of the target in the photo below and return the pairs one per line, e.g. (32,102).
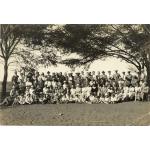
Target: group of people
(80,87)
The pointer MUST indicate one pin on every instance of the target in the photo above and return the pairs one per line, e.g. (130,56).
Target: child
(65,97)
(94,89)
(126,93)
(78,93)
(137,92)
(113,99)
(21,99)
(32,94)
(102,98)
(93,99)
(131,92)
(28,99)
(72,93)
(110,91)
(45,94)
(28,83)
(86,94)
(120,96)
(107,99)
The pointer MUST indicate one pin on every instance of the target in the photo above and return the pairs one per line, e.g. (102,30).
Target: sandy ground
(129,113)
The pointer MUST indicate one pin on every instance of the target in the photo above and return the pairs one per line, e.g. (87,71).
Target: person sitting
(131,92)
(72,94)
(78,94)
(33,94)
(8,101)
(102,98)
(28,83)
(113,99)
(107,98)
(138,92)
(28,99)
(126,93)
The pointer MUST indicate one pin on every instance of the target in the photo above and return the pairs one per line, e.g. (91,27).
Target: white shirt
(137,89)
(28,84)
(113,99)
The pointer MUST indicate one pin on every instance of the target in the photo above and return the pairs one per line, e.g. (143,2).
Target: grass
(128,113)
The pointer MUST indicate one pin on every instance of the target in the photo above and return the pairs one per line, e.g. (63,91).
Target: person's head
(113,95)
(129,72)
(114,84)
(98,72)
(53,74)
(78,73)
(48,72)
(116,71)
(103,72)
(13,87)
(122,91)
(65,73)
(42,73)
(103,95)
(70,74)
(135,77)
(72,86)
(21,74)
(106,95)
(123,73)
(32,87)
(109,72)
(28,79)
(77,85)
(93,72)
(82,72)
(131,85)
(111,87)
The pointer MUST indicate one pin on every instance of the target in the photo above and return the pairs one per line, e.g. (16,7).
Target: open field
(129,113)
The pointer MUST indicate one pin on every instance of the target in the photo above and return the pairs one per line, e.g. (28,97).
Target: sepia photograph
(75,74)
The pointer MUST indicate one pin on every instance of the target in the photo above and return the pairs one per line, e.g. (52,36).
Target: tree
(91,42)
(18,44)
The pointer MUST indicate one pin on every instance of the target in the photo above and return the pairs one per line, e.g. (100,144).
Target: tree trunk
(148,73)
(4,83)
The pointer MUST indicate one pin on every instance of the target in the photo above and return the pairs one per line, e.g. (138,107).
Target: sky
(98,65)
